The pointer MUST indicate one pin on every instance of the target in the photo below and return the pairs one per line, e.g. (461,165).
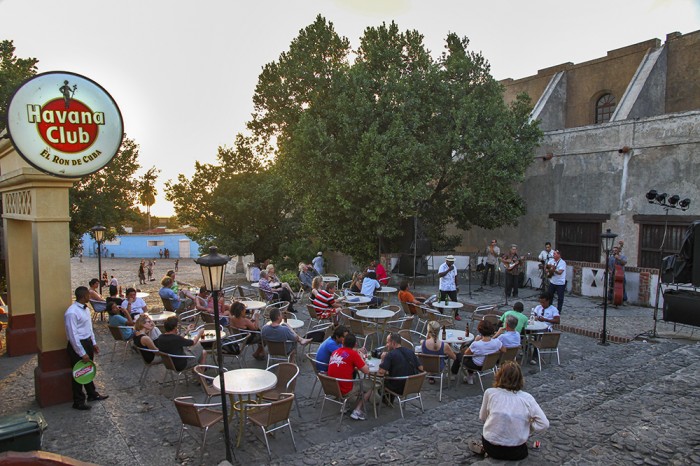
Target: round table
(253,305)
(457,337)
(208,337)
(329,278)
(292,323)
(536,326)
(161,316)
(449,305)
(246,382)
(141,294)
(373,365)
(387,290)
(375,314)
(356,300)
(272,285)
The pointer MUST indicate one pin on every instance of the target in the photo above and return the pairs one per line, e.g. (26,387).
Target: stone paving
(632,403)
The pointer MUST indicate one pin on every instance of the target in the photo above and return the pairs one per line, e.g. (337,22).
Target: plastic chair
(275,413)
(411,390)
(98,307)
(204,373)
(431,365)
(201,416)
(489,367)
(170,369)
(287,374)
(547,343)
(118,336)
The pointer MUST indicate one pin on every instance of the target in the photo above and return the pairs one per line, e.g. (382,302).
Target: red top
(342,365)
(381,274)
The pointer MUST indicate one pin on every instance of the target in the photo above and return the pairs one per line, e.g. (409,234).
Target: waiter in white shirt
(81,345)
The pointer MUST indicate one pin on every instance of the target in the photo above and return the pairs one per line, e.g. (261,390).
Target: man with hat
(318,263)
(448,281)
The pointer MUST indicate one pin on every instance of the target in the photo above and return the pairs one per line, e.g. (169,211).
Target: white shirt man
(134,305)
(318,263)
(557,284)
(546,313)
(546,253)
(448,281)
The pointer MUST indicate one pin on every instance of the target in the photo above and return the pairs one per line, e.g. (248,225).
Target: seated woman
(275,279)
(325,303)
(356,285)
(306,275)
(483,344)
(144,336)
(118,317)
(277,293)
(316,286)
(204,302)
(433,345)
(239,321)
(369,285)
(94,295)
(509,416)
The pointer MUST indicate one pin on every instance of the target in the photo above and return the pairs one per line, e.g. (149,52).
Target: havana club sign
(64,124)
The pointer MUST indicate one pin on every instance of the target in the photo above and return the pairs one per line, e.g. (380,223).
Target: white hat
(319,253)
(450,258)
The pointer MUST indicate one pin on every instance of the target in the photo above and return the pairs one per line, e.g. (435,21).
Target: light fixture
(684,204)
(213,266)
(624,150)
(661,198)
(673,200)
(651,196)
(607,240)
(99,232)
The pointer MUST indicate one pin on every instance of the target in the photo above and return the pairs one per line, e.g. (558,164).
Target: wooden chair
(411,390)
(170,369)
(287,374)
(98,307)
(206,375)
(118,336)
(489,367)
(547,343)
(201,416)
(275,413)
(431,365)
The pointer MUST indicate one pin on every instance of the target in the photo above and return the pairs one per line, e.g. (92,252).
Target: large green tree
(107,197)
(13,71)
(148,191)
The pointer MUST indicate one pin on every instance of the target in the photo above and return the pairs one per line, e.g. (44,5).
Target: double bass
(619,282)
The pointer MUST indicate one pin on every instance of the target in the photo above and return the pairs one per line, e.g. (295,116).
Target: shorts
(196,351)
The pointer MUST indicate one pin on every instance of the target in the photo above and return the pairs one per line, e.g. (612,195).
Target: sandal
(476,447)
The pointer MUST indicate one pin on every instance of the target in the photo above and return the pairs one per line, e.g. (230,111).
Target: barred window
(604,108)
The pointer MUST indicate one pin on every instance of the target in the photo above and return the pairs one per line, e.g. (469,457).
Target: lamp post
(213,266)
(99,232)
(607,241)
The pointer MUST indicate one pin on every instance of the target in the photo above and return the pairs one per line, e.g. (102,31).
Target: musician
(511,261)
(544,257)
(557,282)
(616,258)
(493,252)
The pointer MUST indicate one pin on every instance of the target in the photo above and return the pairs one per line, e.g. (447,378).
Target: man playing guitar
(544,257)
(511,262)
(556,269)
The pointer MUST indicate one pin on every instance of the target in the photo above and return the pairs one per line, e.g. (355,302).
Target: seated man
(94,295)
(134,305)
(342,365)
(275,331)
(397,361)
(545,312)
(166,293)
(172,343)
(517,312)
(306,275)
(405,296)
(382,276)
(508,335)
(332,343)
(369,285)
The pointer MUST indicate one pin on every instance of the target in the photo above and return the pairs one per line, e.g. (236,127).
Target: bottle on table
(466,333)
(444,332)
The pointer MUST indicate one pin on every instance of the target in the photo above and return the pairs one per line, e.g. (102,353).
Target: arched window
(604,108)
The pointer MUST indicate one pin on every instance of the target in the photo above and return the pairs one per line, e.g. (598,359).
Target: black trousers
(559,291)
(512,284)
(489,272)
(500,452)
(453,298)
(78,396)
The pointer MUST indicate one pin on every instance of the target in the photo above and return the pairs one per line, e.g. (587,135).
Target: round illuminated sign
(64,124)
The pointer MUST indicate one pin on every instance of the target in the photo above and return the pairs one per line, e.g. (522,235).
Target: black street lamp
(99,232)
(213,266)
(607,241)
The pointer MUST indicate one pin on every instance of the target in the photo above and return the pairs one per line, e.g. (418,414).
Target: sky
(183,73)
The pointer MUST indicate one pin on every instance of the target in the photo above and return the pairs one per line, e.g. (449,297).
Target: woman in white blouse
(510,415)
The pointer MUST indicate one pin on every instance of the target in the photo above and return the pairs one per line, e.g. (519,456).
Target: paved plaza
(626,403)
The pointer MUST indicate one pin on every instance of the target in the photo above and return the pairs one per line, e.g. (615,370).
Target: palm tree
(147,191)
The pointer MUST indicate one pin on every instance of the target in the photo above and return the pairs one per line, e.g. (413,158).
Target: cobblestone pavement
(631,403)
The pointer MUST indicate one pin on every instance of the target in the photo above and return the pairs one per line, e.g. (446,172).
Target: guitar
(550,269)
(514,262)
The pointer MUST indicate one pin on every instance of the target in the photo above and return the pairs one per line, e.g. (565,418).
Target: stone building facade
(615,128)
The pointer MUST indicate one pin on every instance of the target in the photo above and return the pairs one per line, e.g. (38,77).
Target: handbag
(230,348)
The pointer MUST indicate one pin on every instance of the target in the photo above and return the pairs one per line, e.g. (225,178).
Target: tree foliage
(13,71)
(362,146)
(147,191)
(107,197)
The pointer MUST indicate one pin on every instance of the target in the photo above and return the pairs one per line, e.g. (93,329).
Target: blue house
(143,245)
